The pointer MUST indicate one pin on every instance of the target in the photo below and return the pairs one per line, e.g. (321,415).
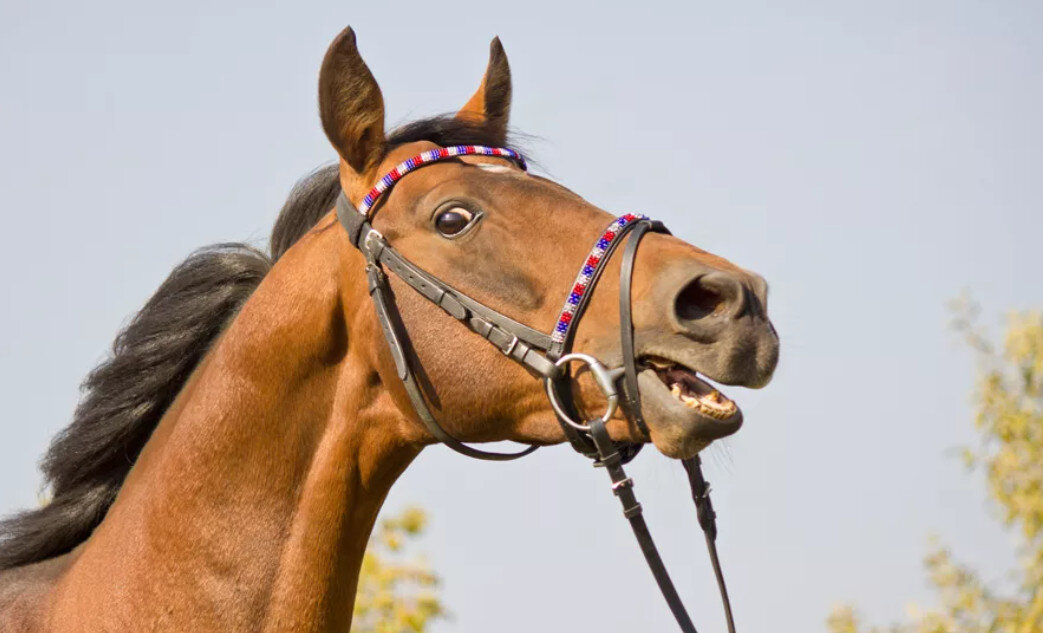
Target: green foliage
(1009,416)
(396,595)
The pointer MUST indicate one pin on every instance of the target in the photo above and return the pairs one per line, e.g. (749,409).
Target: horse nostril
(716,294)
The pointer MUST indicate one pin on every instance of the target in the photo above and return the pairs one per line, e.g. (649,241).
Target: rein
(544,356)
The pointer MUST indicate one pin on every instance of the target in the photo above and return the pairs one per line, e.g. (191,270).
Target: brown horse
(228,462)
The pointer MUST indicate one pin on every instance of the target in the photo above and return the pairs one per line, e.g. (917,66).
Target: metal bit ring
(602,376)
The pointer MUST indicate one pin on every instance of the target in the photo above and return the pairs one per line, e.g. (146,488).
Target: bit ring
(604,379)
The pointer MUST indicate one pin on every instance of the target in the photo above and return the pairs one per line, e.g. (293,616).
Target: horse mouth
(687,411)
(691,390)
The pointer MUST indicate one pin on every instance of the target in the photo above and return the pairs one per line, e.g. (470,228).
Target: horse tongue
(688,380)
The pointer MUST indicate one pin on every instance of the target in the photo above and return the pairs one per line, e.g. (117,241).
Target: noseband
(546,357)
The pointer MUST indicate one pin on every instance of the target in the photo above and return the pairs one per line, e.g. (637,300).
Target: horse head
(513,241)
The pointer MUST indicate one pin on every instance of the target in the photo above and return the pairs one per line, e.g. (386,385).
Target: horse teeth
(712,404)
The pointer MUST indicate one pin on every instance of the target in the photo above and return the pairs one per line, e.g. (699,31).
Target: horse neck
(252,503)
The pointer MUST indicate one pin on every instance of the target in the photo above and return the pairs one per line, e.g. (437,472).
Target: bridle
(544,356)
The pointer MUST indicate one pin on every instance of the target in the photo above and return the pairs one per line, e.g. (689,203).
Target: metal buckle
(510,346)
(373,234)
(603,377)
(622,483)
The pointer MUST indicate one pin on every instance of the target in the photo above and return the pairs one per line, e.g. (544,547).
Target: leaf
(396,594)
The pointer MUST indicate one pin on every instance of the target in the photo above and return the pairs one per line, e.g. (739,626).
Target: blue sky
(872,160)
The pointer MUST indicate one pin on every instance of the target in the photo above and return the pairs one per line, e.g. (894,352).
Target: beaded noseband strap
(605,244)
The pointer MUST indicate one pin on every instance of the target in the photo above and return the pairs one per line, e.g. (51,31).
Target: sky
(872,160)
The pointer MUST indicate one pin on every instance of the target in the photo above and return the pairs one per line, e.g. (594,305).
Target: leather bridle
(544,356)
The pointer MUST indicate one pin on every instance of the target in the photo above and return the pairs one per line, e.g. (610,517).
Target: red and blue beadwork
(432,156)
(612,234)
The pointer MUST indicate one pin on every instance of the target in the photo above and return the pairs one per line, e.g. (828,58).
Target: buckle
(373,243)
(622,483)
(507,351)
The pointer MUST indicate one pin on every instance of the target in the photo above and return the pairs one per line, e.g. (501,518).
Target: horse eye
(452,221)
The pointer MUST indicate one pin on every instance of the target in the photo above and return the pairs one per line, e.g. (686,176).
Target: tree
(1009,416)
(395,595)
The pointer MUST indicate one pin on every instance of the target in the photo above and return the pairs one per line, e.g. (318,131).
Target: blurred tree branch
(396,595)
(1009,416)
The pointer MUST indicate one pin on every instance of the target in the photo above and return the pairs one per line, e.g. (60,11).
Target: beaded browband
(432,156)
(591,266)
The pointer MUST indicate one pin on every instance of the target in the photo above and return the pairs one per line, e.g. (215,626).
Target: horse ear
(492,102)
(351,105)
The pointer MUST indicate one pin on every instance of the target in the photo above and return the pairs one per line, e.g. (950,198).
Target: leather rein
(546,357)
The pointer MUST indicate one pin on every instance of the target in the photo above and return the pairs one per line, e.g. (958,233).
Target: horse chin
(683,411)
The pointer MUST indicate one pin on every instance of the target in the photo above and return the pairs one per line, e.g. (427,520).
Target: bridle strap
(516,341)
(587,280)
(623,487)
(565,330)
(631,404)
(631,401)
(708,522)
(397,340)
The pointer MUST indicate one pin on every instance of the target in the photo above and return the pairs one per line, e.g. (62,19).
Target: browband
(432,156)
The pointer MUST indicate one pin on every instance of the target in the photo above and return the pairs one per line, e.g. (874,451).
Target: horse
(227,462)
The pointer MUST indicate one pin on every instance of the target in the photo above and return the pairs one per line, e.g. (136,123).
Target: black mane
(152,357)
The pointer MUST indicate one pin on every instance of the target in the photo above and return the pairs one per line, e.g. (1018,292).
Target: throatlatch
(544,356)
